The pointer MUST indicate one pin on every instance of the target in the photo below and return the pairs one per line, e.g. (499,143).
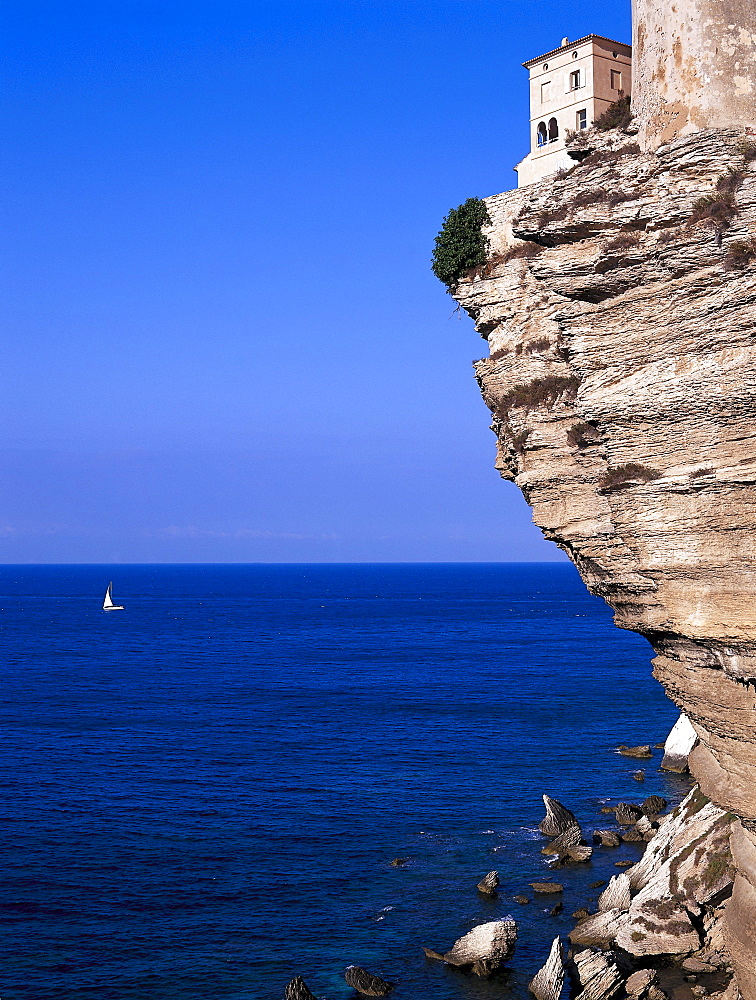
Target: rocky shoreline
(655,932)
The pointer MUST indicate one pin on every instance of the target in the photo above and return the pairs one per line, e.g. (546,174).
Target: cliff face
(622,382)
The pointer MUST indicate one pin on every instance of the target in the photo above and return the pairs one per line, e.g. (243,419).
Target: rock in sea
(297,990)
(483,949)
(607,838)
(366,983)
(643,752)
(557,819)
(653,805)
(489,884)
(547,887)
(626,814)
(548,981)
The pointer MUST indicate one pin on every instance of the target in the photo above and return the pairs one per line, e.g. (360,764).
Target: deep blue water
(203,793)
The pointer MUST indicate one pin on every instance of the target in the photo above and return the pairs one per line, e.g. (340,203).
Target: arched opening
(553,130)
(541,134)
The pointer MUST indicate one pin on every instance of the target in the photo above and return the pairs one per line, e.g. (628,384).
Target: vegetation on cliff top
(617,115)
(461,245)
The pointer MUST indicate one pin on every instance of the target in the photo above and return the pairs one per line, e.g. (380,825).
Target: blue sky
(222,340)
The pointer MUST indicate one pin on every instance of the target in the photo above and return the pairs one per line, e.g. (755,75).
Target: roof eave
(578,41)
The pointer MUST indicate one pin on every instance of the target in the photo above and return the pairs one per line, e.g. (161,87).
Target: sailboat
(107,604)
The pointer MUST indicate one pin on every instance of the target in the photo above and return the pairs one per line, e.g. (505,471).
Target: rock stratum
(619,306)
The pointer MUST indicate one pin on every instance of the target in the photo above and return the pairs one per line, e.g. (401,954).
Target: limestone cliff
(619,305)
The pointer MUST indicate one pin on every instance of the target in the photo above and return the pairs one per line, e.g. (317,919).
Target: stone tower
(694,67)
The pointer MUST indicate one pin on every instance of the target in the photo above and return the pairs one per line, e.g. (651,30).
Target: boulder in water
(547,887)
(366,983)
(653,805)
(489,884)
(483,949)
(297,990)
(607,838)
(548,981)
(626,814)
(557,819)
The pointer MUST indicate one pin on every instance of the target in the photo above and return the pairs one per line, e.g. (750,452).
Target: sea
(203,794)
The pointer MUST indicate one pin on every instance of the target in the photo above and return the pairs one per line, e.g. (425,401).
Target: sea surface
(203,793)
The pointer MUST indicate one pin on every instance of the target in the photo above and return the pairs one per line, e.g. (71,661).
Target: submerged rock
(489,884)
(547,887)
(548,981)
(639,775)
(557,819)
(366,983)
(297,990)
(483,949)
(642,752)
(679,745)
(521,899)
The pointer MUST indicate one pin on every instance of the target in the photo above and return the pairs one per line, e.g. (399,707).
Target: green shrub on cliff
(461,245)
(617,115)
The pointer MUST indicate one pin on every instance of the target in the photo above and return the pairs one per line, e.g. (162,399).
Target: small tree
(461,245)
(617,115)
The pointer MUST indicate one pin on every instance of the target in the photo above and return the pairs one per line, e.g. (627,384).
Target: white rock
(679,744)
(616,896)
(548,981)
(599,976)
(485,947)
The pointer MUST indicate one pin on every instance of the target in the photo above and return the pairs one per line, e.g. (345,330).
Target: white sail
(107,604)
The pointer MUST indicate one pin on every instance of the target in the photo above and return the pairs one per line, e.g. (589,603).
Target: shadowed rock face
(622,382)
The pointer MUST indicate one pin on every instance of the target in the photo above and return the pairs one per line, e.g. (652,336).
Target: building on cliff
(570,87)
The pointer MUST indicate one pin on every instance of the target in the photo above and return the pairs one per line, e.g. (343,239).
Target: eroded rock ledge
(622,382)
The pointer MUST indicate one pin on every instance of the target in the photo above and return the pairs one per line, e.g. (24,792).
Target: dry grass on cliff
(582,435)
(721,207)
(627,474)
(740,253)
(520,251)
(541,392)
(625,241)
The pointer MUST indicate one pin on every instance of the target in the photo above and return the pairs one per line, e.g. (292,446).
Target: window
(574,54)
(553,130)
(545,91)
(541,134)
(616,79)
(545,66)
(582,118)
(575,80)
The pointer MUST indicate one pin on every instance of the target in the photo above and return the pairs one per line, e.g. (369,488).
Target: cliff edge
(619,306)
